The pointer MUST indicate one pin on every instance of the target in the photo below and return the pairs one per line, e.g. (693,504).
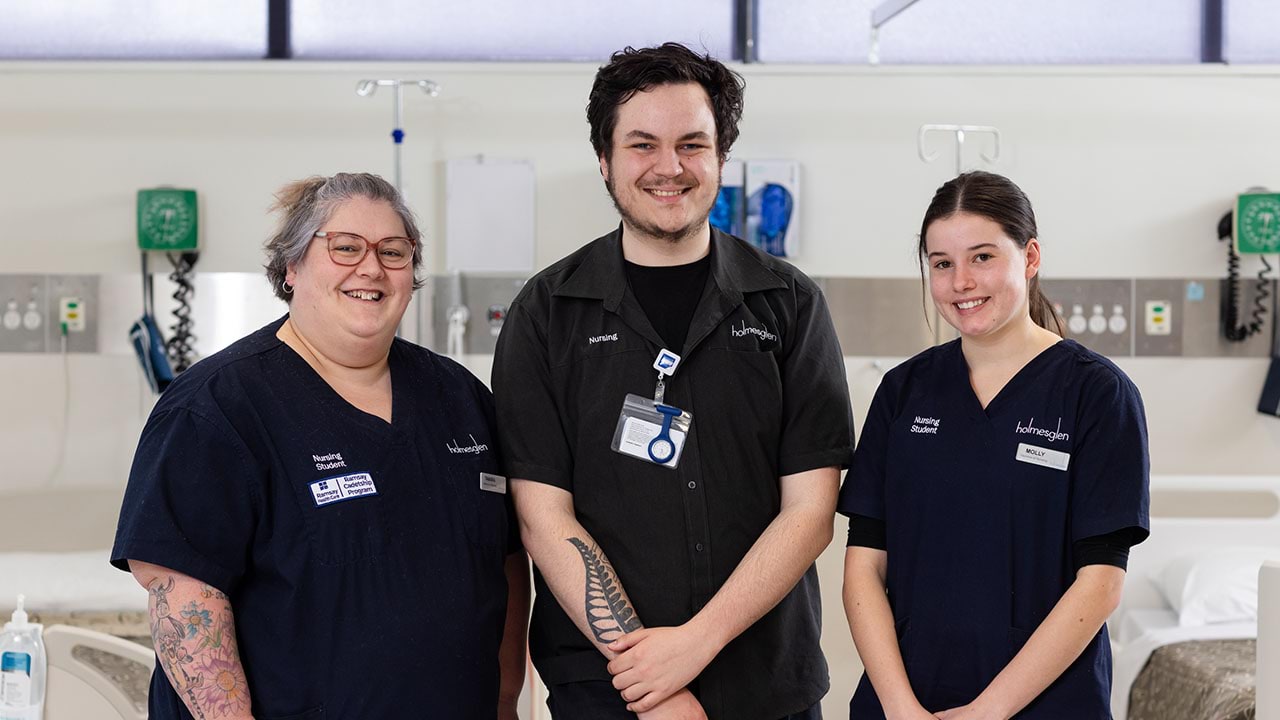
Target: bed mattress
(1195,680)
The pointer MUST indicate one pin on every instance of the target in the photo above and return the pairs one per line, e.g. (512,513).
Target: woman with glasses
(316,510)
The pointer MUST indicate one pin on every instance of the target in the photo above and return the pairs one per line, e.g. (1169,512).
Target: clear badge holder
(651,431)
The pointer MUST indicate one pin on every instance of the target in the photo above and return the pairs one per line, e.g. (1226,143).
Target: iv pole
(366,88)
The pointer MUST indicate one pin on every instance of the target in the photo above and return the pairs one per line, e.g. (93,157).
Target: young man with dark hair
(674,416)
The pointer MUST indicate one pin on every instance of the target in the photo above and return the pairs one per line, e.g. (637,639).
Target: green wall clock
(1257,223)
(167,219)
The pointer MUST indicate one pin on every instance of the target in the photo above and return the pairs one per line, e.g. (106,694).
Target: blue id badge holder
(648,428)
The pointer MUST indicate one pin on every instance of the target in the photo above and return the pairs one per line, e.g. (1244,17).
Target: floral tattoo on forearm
(609,612)
(197,649)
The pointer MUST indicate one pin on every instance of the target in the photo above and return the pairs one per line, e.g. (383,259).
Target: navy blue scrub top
(383,605)
(980,517)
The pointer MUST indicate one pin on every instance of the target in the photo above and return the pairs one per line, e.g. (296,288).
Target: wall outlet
(71,313)
(1159,319)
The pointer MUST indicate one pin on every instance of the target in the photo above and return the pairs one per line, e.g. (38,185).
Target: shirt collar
(735,266)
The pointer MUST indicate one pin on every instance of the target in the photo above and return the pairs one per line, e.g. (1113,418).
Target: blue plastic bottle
(23,668)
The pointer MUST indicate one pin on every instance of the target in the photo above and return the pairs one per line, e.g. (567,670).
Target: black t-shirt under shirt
(669,295)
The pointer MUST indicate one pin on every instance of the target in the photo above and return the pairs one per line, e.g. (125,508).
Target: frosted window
(984,31)
(505,29)
(1252,31)
(133,29)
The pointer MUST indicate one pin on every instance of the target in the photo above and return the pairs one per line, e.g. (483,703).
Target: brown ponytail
(1042,311)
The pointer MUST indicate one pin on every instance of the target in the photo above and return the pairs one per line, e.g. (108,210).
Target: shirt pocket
(1039,491)
(483,512)
(348,530)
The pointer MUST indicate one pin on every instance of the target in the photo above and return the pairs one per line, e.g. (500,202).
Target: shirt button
(698,547)
(692,484)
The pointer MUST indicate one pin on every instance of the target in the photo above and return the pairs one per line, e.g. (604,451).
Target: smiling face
(664,173)
(334,305)
(977,275)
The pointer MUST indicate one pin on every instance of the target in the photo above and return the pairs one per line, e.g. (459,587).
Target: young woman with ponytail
(998,485)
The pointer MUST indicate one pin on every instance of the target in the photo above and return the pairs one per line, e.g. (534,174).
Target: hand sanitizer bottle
(22,668)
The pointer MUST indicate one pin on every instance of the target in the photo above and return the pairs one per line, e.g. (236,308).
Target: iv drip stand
(365,88)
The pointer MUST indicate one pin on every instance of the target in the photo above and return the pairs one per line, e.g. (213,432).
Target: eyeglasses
(346,248)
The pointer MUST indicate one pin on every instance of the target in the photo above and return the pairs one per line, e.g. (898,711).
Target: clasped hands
(655,664)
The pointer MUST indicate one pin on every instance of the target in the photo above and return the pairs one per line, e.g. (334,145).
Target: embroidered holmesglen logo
(475,448)
(925,425)
(745,330)
(1051,435)
(610,337)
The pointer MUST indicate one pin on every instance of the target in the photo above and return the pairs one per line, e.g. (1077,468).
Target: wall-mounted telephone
(1252,228)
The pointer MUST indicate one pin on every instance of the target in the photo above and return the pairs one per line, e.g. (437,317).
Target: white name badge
(493,483)
(1055,459)
(343,487)
(637,434)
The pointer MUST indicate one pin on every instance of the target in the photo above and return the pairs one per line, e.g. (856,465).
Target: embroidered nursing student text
(329,462)
(925,425)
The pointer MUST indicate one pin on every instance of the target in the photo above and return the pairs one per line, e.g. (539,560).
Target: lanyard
(661,449)
(666,364)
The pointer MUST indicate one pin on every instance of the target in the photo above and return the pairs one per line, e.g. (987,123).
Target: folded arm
(581,577)
(658,661)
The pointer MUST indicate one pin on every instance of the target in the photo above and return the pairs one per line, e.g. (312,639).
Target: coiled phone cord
(1231,327)
(180,347)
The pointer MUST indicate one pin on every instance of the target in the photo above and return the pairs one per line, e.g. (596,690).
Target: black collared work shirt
(762,375)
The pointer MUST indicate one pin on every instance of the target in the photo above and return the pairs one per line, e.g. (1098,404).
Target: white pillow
(1215,586)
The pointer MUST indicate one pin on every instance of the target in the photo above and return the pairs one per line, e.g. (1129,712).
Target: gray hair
(306,205)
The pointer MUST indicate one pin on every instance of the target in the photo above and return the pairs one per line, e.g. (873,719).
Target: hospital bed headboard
(92,675)
(1192,513)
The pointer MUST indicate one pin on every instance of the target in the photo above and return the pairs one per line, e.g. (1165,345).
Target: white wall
(1129,170)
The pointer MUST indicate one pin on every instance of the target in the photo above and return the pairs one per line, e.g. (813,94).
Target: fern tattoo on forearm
(609,613)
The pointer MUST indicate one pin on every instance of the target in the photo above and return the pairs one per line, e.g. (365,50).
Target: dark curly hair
(631,71)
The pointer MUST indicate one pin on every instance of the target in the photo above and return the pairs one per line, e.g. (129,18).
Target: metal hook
(959,132)
(366,88)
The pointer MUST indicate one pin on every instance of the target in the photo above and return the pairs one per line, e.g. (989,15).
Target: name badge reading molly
(1055,459)
(342,487)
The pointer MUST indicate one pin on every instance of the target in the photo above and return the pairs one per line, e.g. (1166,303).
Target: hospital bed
(54,548)
(1193,634)
(93,675)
